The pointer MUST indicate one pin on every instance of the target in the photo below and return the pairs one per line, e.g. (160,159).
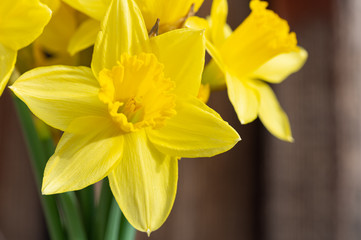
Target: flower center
(137,93)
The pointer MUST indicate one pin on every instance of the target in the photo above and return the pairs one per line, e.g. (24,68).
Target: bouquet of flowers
(120,87)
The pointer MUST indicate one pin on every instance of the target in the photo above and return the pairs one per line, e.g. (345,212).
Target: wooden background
(263,189)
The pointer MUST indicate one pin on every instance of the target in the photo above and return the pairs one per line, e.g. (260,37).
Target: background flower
(21,21)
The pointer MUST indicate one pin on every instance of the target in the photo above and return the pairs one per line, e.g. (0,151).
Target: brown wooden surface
(347,64)
(20,211)
(300,178)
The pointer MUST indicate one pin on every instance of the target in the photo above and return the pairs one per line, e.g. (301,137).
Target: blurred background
(263,189)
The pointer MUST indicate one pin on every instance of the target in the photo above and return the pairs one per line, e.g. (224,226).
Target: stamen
(191,12)
(180,23)
(154,31)
(137,92)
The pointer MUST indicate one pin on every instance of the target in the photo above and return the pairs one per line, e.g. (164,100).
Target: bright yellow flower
(128,117)
(260,49)
(51,46)
(172,15)
(21,21)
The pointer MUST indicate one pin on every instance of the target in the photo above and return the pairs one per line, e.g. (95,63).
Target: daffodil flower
(130,116)
(172,15)
(21,21)
(260,50)
(50,48)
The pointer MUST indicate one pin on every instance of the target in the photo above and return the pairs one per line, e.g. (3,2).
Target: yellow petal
(243,98)
(82,125)
(21,21)
(144,183)
(84,36)
(213,76)
(280,67)
(219,13)
(196,131)
(46,57)
(169,12)
(60,94)
(93,8)
(123,31)
(60,29)
(270,112)
(82,159)
(261,36)
(7,63)
(182,53)
(204,93)
(200,23)
(197,23)
(52,4)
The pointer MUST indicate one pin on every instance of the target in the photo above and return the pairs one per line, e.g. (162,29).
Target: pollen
(137,92)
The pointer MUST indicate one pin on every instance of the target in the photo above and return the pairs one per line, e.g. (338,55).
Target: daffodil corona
(130,117)
(137,93)
(261,49)
(21,21)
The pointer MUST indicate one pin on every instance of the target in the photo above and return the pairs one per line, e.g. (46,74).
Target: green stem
(113,226)
(39,155)
(86,200)
(102,210)
(127,232)
(68,201)
(38,161)
(72,216)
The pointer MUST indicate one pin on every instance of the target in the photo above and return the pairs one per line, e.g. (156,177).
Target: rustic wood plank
(347,64)
(21,215)
(300,178)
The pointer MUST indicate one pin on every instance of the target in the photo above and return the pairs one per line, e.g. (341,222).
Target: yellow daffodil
(130,116)
(260,49)
(21,21)
(172,15)
(51,46)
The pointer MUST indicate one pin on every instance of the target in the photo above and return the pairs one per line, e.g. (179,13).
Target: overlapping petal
(83,159)
(243,98)
(144,183)
(93,8)
(219,12)
(202,24)
(270,112)
(52,4)
(182,53)
(169,12)
(213,76)
(7,63)
(60,94)
(123,31)
(196,131)
(59,30)
(84,36)
(280,67)
(21,21)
